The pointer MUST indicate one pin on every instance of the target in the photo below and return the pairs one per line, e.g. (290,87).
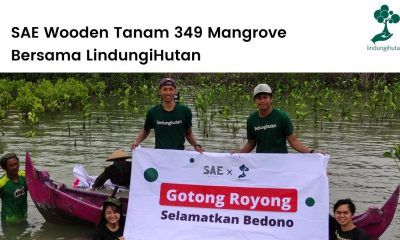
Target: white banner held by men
(186,195)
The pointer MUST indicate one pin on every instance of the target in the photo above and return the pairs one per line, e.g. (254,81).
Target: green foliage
(395,154)
(71,93)
(30,106)
(223,96)
(96,87)
(301,111)
(46,91)
(6,92)
(203,98)
(221,99)
(136,98)
(126,103)
(26,101)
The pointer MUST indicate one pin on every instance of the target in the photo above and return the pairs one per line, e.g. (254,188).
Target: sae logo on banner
(388,19)
(179,194)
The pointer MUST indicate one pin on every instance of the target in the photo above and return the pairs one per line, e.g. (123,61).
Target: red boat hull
(375,221)
(60,204)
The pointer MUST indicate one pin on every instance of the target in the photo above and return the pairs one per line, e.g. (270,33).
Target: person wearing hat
(112,221)
(13,190)
(269,128)
(119,172)
(172,122)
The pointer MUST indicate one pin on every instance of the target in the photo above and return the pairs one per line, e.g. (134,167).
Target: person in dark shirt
(269,128)
(112,222)
(172,122)
(119,172)
(344,210)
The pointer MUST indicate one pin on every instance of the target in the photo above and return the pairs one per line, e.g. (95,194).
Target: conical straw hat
(118,154)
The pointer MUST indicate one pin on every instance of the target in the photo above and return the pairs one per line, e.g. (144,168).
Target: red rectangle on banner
(224,197)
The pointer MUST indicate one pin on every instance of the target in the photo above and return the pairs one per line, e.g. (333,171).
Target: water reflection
(13,231)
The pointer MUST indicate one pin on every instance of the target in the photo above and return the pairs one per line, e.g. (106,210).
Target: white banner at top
(186,195)
(205,36)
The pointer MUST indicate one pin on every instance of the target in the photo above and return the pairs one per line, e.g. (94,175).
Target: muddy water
(357,168)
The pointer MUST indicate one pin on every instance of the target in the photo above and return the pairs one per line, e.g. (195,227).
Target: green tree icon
(383,15)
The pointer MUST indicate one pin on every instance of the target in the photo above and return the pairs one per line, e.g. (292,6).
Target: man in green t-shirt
(269,128)
(13,190)
(172,122)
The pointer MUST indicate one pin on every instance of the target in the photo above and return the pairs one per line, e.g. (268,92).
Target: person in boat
(269,128)
(13,190)
(172,122)
(112,221)
(343,227)
(119,172)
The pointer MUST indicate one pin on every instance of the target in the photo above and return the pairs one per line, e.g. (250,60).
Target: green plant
(395,154)
(46,91)
(26,101)
(71,93)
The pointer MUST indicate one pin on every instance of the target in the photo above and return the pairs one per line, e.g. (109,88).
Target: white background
(322,36)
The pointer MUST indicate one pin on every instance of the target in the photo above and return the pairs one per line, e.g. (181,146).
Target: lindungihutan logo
(385,16)
(244,169)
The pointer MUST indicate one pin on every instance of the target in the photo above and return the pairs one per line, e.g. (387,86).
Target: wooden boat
(375,221)
(58,203)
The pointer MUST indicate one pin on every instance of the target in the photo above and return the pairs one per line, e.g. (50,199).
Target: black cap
(6,157)
(166,82)
(113,200)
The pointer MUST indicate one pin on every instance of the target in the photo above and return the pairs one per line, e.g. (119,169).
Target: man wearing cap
(172,122)
(13,190)
(119,172)
(269,128)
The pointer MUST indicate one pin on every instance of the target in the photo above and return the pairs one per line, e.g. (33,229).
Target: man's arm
(248,146)
(140,137)
(190,138)
(100,180)
(297,145)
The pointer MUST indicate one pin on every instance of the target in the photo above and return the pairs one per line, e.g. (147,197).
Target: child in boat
(119,172)
(112,221)
(344,210)
(13,190)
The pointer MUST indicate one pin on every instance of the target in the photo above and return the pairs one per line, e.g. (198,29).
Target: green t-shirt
(169,127)
(270,132)
(14,198)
